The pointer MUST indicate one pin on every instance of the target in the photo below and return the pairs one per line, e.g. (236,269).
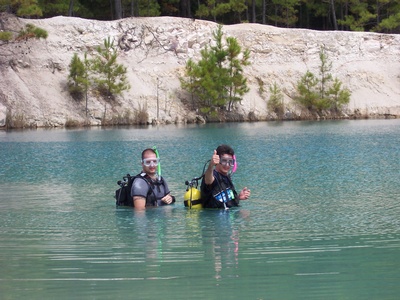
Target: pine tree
(217,80)
(324,72)
(78,78)
(275,101)
(27,8)
(324,92)
(110,76)
(238,86)
(306,89)
(338,96)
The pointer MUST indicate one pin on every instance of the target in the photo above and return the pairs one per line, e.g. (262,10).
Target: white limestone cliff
(33,74)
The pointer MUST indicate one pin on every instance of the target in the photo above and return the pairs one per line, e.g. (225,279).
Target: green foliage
(285,12)
(359,15)
(26,8)
(202,12)
(5,36)
(40,33)
(338,96)
(15,120)
(238,83)
(149,8)
(324,71)
(56,7)
(238,6)
(275,101)
(31,31)
(141,115)
(110,76)
(78,78)
(323,92)
(220,9)
(261,89)
(306,89)
(101,72)
(390,23)
(28,32)
(217,80)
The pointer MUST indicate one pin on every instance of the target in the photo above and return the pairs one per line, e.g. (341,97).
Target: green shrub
(5,36)
(31,31)
(70,123)
(141,116)
(15,120)
(275,102)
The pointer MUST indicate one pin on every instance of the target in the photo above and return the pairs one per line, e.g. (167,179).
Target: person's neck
(152,176)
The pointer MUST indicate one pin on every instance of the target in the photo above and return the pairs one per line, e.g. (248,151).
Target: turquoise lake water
(323,221)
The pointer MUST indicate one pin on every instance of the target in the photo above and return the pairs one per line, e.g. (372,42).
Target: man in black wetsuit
(217,189)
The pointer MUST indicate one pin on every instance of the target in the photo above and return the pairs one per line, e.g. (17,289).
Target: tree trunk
(264,10)
(118,9)
(253,11)
(335,26)
(71,8)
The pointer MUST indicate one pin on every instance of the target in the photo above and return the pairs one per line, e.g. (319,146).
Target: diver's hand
(214,159)
(244,194)
(167,199)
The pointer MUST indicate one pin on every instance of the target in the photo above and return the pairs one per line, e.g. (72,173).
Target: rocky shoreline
(33,73)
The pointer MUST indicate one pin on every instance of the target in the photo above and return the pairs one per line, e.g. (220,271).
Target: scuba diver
(149,188)
(217,189)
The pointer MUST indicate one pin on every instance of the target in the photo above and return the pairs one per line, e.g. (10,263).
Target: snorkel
(234,164)
(159,164)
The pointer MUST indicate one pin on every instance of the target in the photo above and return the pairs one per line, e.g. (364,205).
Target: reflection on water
(322,222)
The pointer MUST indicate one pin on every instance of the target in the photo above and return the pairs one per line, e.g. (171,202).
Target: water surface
(322,223)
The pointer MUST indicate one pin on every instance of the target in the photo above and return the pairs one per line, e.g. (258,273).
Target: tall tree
(253,11)
(238,7)
(118,9)
(238,85)
(358,17)
(324,71)
(71,8)
(78,78)
(111,76)
(217,80)
(285,12)
(388,16)
(26,8)
(333,11)
(321,93)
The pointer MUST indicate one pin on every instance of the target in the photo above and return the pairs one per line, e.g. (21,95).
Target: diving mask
(227,161)
(150,162)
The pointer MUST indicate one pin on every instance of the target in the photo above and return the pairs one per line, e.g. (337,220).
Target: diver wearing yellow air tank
(217,189)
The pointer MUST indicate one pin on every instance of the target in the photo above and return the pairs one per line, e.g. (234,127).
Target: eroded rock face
(33,73)
(3,115)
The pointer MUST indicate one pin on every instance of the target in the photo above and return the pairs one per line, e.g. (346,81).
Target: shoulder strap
(151,186)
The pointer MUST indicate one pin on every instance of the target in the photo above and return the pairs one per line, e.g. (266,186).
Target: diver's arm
(139,202)
(208,175)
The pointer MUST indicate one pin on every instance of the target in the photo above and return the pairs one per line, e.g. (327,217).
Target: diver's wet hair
(225,149)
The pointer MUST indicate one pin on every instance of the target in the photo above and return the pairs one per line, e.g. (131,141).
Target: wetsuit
(152,190)
(220,194)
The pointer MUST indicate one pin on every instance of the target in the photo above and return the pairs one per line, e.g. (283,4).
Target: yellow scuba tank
(192,198)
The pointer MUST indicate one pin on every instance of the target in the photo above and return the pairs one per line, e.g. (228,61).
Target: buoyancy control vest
(123,195)
(222,193)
